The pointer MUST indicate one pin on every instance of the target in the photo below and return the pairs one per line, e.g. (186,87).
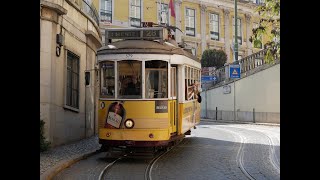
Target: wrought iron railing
(105,16)
(247,64)
(89,9)
(252,61)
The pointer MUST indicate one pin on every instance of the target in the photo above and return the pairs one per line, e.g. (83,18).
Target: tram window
(173,81)
(191,75)
(129,79)
(107,79)
(186,82)
(156,79)
(189,83)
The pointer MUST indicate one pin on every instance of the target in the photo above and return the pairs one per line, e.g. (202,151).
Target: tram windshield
(107,79)
(129,79)
(156,79)
(128,83)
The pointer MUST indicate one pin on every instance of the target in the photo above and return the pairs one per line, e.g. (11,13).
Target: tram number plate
(151,33)
(114,119)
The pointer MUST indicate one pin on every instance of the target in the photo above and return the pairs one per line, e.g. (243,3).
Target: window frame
(173,82)
(131,5)
(102,80)
(105,11)
(117,94)
(66,105)
(211,24)
(159,12)
(187,18)
(167,79)
(191,76)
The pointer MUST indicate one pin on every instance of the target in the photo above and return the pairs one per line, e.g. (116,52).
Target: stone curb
(50,173)
(238,122)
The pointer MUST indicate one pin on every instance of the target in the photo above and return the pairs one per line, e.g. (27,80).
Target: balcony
(105,16)
(89,9)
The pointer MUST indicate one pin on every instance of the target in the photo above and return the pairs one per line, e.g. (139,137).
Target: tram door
(174,101)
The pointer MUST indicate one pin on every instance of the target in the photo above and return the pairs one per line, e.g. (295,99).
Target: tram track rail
(273,158)
(240,153)
(148,175)
(272,155)
(103,172)
(149,165)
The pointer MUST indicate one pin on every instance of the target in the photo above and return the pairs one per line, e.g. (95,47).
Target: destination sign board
(136,33)
(123,34)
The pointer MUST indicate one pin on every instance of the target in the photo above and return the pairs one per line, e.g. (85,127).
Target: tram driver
(133,87)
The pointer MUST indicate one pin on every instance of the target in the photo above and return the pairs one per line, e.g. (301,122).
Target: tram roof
(144,46)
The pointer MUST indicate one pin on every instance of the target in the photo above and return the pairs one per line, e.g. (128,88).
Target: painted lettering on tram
(187,110)
(161,106)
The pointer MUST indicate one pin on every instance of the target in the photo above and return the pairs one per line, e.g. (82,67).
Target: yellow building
(205,24)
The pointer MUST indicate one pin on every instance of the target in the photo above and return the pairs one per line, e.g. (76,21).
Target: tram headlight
(129,123)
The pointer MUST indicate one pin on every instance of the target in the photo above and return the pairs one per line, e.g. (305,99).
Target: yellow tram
(149,89)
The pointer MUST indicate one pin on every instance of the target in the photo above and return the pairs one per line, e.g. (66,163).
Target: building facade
(71,31)
(69,39)
(205,24)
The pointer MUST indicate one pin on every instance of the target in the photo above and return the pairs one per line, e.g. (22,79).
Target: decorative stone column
(226,13)
(249,33)
(203,27)
(177,7)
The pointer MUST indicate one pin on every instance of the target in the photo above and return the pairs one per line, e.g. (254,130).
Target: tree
(269,25)
(213,57)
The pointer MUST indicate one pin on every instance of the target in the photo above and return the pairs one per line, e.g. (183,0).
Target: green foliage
(213,57)
(44,144)
(270,19)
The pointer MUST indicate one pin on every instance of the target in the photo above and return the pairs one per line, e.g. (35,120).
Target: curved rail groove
(272,155)
(240,153)
(148,170)
(108,166)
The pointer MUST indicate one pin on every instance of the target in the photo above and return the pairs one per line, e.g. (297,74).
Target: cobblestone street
(212,151)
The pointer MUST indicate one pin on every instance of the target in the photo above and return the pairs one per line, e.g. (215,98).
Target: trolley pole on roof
(235,32)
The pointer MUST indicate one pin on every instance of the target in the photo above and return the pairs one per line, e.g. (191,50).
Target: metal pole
(235,32)
(234,100)
(206,105)
(216,113)
(254,118)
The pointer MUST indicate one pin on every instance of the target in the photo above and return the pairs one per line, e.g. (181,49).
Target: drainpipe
(85,112)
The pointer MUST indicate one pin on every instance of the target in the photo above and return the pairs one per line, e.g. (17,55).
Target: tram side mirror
(87,77)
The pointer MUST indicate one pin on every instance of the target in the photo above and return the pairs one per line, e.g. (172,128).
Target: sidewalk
(58,158)
(238,122)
